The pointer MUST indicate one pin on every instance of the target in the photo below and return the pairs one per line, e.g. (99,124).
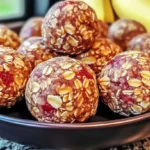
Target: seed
(124,73)
(1,88)
(126,65)
(111,106)
(83,6)
(70,98)
(8,58)
(19,79)
(86,83)
(80,100)
(67,8)
(33,47)
(69,106)
(89,60)
(136,108)
(69,28)
(77,83)
(106,51)
(72,41)
(66,46)
(78,111)
(137,91)
(104,81)
(54,101)
(57,13)
(87,35)
(68,75)
(134,82)
(145,74)
(65,114)
(19,61)
(47,70)
(142,60)
(127,92)
(6,67)
(66,65)
(36,110)
(54,22)
(35,87)
(145,104)
(48,81)
(146,82)
(118,92)
(64,90)
(96,45)
(89,91)
(65,98)
(58,113)
(138,99)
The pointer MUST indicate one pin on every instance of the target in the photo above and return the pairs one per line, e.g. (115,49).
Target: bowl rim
(91,125)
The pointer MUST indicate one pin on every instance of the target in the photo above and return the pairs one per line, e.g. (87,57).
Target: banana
(102,8)
(138,10)
(108,10)
(98,7)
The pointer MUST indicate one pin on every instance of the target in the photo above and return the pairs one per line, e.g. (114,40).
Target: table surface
(140,145)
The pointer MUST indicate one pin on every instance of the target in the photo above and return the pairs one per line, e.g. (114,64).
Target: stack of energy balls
(68,59)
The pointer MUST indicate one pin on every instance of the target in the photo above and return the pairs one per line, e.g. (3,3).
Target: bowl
(104,130)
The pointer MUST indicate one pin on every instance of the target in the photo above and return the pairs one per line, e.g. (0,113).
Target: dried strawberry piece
(47,107)
(84,72)
(6,78)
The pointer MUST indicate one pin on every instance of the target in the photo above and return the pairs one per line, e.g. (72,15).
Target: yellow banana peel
(102,8)
(138,10)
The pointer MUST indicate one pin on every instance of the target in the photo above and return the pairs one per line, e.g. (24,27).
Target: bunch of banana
(138,10)
(103,9)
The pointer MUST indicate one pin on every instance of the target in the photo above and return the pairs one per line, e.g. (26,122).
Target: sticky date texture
(14,74)
(123,30)
(35,52)
(62,89)
(101,52)
(70,27)
(125,83)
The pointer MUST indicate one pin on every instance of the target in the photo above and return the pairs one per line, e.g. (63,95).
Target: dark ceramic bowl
(104,130)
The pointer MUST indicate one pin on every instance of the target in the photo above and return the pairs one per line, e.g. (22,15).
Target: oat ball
(102,29)
(125,83)
(9,38)
(32,27)
(123,30)
(14,74)
(62,89)
(35,51)
(70,27)
(101,52)
(140,43)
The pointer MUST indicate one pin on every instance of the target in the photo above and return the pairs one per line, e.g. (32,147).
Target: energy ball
(14,74)
(102,29)
(101,52)
(125,83)
(31,28)
(70,27)
(140,43)
(62,90)
(35,52)
(123,30)
(9,38)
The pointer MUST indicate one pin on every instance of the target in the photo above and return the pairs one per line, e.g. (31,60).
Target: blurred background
(15,10)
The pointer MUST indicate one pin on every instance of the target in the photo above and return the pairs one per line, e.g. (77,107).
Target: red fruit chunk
(6,78)
(47,107)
